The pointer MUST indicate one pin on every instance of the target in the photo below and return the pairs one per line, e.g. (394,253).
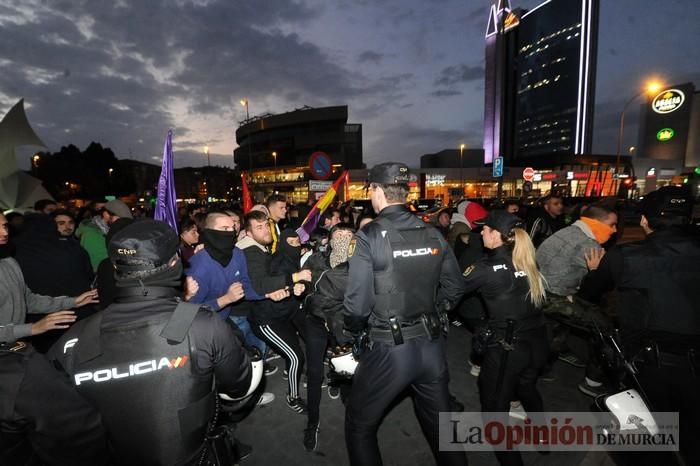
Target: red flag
(247,200)
(347,186)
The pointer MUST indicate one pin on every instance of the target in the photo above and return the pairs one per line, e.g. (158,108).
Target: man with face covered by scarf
(220,269)
(324,317)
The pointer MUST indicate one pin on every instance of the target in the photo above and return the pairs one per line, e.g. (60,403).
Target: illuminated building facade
(540,75)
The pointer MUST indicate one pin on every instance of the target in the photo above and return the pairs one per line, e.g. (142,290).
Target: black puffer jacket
(327,290)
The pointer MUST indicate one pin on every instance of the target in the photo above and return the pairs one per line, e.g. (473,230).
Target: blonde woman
(514,342)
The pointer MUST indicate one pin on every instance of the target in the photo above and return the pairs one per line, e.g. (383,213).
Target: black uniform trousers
(382,374)
(42,415)
(518,380)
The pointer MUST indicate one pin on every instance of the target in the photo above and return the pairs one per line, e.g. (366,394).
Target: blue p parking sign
(497,167)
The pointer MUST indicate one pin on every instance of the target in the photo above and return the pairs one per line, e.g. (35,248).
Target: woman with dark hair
(324,317)
(514,342)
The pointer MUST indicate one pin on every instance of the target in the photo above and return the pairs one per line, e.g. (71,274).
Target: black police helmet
(142,249)
(389,173)
(667,202)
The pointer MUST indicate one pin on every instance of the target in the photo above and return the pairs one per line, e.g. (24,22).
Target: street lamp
(651,88)
(461,165)
(111,170)
(246,104)
(274,156)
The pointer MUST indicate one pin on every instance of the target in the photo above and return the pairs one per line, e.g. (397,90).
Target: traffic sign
(320,165)
(528,174)
(527,186)
(497,171)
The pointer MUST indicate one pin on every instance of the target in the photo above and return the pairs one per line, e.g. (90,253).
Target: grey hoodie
(561,258)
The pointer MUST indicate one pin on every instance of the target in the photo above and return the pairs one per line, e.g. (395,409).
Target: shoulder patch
(468,270)
(351,248)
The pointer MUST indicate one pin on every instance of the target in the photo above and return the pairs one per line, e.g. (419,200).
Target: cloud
(369,56)
(445,93)
(459,74)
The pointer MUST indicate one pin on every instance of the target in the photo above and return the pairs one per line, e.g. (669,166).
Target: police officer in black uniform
(149,362)
(514,342)
(401,272)
(658,280)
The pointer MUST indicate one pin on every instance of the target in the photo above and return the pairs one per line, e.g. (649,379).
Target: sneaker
(475,370)
(591,390)
(243,451)
(571,359)
(271,355)
(333,392)
(270,369)
(517,411)
(311,436)
(285,374)
(296,404)
(265,399)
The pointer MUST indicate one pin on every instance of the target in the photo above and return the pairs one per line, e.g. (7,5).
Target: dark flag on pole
(166,203)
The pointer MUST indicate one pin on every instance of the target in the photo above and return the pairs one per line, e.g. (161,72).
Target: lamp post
(274,156)
(650,88)
(461,165)
(246,104)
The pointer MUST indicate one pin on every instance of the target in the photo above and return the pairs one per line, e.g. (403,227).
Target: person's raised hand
(235,292)
(593,257)
(278,295)
(299,289)
(89,297)
(303,276)
(191,288)
(53,321)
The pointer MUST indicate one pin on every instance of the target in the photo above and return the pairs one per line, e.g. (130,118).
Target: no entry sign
(320,165)
(528,174)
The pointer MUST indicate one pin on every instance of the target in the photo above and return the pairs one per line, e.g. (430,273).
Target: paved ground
(275,432)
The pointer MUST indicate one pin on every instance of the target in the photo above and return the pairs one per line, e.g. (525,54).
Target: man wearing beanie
(149,362)
(92,232)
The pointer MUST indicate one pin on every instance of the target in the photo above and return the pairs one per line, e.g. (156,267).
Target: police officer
(401,271)
(148,362)
(658,283)
(514,342)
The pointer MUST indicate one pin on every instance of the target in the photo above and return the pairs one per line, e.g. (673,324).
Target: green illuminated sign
(665,134)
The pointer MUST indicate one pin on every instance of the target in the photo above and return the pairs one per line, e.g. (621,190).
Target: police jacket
(399,266)
(659,286)
(155,394)
(504,291)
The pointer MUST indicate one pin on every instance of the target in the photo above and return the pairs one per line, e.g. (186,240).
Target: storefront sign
(668,101)
(322,186)
(432,179)
(665,134)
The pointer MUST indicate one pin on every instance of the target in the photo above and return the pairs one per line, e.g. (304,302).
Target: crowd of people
(123,341)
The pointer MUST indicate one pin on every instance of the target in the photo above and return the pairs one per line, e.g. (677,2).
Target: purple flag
(166,203)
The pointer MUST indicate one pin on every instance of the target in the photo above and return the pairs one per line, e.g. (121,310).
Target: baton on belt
(507,348)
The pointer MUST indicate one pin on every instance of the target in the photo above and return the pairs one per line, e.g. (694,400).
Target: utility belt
(486,337)
(431,325)
(652,355)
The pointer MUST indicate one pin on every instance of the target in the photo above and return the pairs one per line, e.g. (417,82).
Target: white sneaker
(517,411)
(475,370)
(265,399)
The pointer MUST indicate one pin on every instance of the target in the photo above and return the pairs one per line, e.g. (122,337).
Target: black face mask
(219,244)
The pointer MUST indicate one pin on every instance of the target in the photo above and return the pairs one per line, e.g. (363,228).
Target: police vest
(141,377)
(407,287)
